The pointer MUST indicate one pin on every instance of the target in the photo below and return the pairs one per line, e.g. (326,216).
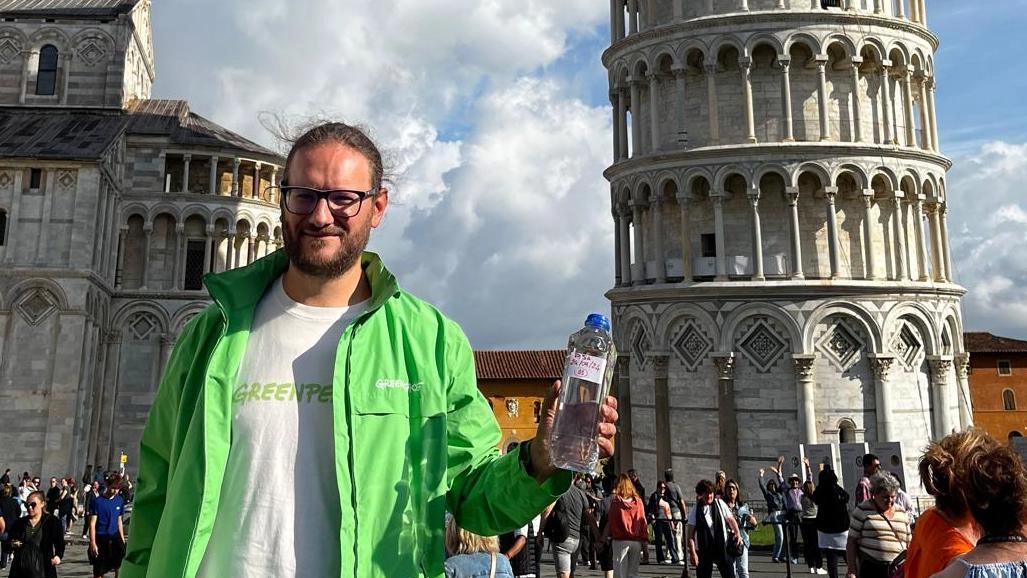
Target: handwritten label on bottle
(587,367)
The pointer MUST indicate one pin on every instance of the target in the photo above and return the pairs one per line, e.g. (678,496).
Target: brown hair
(942,461)
(344,134)
(625,488)
(996,490)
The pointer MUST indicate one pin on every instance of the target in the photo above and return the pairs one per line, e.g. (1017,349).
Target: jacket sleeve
(155,452)
(489,494)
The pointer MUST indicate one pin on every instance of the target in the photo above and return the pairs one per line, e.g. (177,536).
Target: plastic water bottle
(587,374)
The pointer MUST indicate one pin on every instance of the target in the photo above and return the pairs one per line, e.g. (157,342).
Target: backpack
(557,528)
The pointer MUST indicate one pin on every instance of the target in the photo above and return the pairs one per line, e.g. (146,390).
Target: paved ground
(76,565)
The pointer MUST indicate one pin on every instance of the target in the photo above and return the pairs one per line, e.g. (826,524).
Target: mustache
(323,231)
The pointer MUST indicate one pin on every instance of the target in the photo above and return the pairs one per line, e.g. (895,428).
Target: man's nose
(321,216)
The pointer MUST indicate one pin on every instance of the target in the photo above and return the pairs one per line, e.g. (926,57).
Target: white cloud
(988,224)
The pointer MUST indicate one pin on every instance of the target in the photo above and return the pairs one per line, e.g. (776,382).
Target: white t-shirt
(523,531)
(279,511)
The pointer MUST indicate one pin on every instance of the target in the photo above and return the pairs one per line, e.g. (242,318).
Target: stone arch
(695,57)
(813,168)
(643,191)
(662,179)
(184,315)
(639,68)
(736,317)
(845,42)
(51,35)
(909,183)
(633,320)
(890,177)
(688,334)
(164,208)
(720,181)
(131,209)
(764,39)
(898,54)
(662,55)
(93,46)
(690,176)
(52,288)
(848,310)
(196,209)
(223,214)
(811,42)
(678,311)
(874,47)
(771,168)
(727,41)
(143,306)
(245,215)
(857,172)
(920,317)
(951,321)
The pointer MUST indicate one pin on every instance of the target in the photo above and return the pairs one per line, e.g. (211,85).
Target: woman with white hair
(878,532)
(473,556)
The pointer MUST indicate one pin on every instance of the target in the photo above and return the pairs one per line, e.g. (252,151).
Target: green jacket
(413,436)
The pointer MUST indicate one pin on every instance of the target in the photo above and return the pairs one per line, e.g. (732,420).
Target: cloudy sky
(495,116)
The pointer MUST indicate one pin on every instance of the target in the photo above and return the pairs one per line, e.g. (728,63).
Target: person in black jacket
(10,511)
(38,541)
(832,519)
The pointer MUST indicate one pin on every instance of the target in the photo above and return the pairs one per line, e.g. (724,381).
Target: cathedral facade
(782,258)
(112,208)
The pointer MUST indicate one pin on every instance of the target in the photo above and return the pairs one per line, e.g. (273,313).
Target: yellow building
(515,383)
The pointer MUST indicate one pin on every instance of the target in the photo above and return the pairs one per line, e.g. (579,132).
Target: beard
(351,246)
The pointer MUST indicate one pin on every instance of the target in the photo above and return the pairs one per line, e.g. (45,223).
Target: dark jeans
(810,547)
(870,568)
(665,538)
(792,535)
(832,561)
(706,562)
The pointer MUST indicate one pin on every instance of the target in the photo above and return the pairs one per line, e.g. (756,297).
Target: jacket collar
(243,287)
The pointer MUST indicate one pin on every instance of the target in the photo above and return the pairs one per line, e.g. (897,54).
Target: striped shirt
(876,538)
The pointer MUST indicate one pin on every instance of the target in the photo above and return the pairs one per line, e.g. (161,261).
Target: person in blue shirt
(106,531)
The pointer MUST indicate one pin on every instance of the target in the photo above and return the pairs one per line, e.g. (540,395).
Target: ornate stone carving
(762,345)
(640,345)
(841,344)
(940,367)
(660,362)
(691,345)
(725,365)
(882,367)
(513,407)
(36,306)
(963,366)
(10,47)
(804,370)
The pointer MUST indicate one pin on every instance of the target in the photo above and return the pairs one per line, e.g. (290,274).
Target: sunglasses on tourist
(31,505)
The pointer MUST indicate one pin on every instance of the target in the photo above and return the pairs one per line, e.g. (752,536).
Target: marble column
(792,195)
(654,116)
(624,451)
(757,236)
(925,124)
(878,6)
(147,233)
(832,230)
(907,98)
(179,270)
(167,345)
(615,7)
(625,246)
(617,240)
(934,230)
(274,179)
(615,110)
(940,367)
(230,256)
(256,180)
(889,137)
(633,16)
(745,65)
(857,113)
(636,119)
(921,246)
(923,12)
(49,188)
(914,11)
(709,7)
(726,412)
(186,160)
(661,361)
(235,177)
(868,233)
(825,132)
(805,378)
(963,383)
(786,94)
(108,400)
(687,259)
(718,229)
(622,124)
(679,77)
(945,253)
(213,176)
(13,216)
(743,5)
(899,234)
(932,116)
(900,9)
(208,250)
(882,365)
(65,70)
(661,258)
(637,220)
(711,102)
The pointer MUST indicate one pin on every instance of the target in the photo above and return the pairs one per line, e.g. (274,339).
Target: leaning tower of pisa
(782,259)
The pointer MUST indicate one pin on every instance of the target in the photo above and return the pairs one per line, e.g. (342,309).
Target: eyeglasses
(341,202)
(31,504)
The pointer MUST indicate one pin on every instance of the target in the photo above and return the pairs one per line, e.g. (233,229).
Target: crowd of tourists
(976,528)
(36,523)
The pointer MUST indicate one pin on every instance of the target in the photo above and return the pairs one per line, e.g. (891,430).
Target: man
(708,525)
(53,497)
(571,506)
(91,493)
(675,498)
(520,548)
(871,465)
(106,531)
(361,397)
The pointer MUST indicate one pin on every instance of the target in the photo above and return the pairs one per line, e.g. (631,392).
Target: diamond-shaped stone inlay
(691,346)
(762,346)
(840,346)
(9,49)
(907,347)
(91,52)
(36,307)
(66,179)
(5,180)
(640,345)
(142,325)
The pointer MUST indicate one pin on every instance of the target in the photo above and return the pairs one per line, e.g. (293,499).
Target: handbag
(897,567)
(492,565)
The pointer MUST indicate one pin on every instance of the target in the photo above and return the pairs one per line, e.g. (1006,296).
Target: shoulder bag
(897,567)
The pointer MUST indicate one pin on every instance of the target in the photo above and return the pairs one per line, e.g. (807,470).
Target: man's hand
(56,560)
(93,549)
(540,465)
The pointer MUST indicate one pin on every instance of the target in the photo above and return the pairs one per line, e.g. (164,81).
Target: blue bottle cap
(598,320)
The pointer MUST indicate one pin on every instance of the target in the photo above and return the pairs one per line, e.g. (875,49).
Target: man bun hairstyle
(349,135)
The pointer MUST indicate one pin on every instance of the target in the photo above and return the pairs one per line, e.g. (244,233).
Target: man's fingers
(607,430)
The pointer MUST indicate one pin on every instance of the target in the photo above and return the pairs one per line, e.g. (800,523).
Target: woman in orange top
(947,530)
(626,524)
